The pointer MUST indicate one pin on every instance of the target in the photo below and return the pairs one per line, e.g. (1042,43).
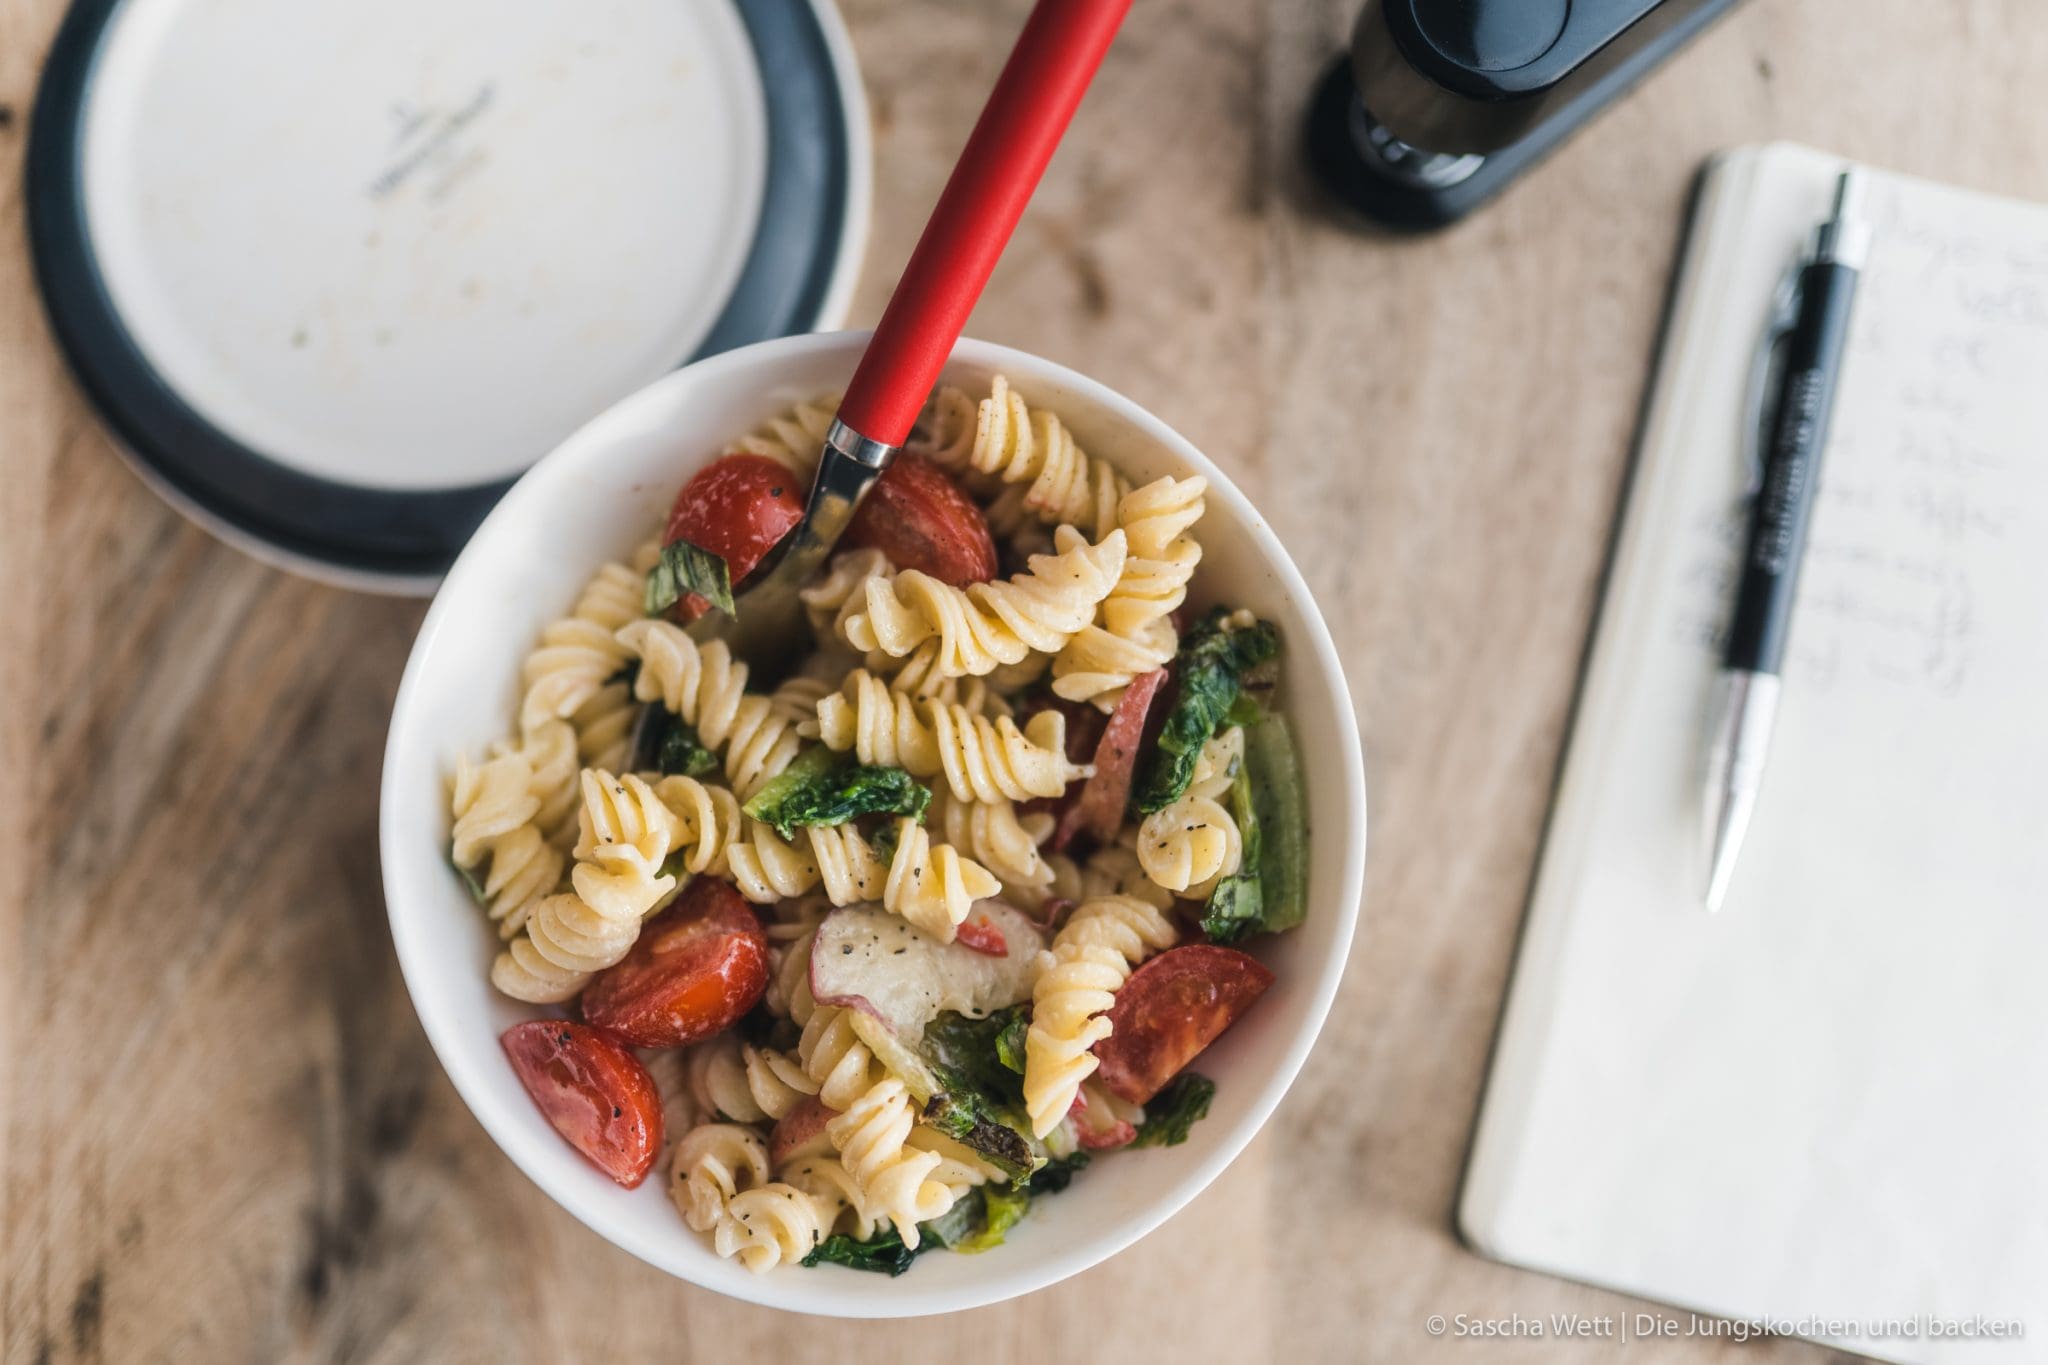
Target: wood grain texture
(224,1136)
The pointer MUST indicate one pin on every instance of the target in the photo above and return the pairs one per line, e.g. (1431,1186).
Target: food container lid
(336,271)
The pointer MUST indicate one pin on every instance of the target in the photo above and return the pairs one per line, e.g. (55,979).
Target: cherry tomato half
(594,1092)
(922,520)
(737,507)
(1171,1008)
(696,968)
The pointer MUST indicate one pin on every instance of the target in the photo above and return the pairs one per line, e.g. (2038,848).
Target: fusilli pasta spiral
(714,1162)
(1005,442)
(524,867)
(580,652)
(550,752)
(627,832)
(981,759)
(707,820)
(1114,870)
(767,867)
(1193,843)
(604,727)
(945,430)
(1065,884)
(930,885)
(918,676)
(757,735)
(668,1068)
(994,835)
(790,933)
(841,589)
(832,1055)
(719,1181)
(894,1179)
(490,801)
(827,1181)
(772,1224)
(795,437)
(985,625)
(746,1083)
(717,1077)
(836,1058)
(1090,958)
(1135,634)
(798,698)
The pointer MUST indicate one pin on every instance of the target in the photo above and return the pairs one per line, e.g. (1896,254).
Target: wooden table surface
(225,1137)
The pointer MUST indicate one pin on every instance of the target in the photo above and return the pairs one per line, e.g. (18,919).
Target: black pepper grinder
(1440,104)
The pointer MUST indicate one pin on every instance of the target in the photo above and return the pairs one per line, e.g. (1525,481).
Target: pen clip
(1764,370)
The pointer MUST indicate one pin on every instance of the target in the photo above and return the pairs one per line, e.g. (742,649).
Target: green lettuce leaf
(1269,892)
(884,844)
(1000,1134)
(1209,672)
(1058,1173)
(1175,1110)
(673,748)
(1280,797)
(684,569)
(1235,908)
(1246,710)
(956,1224)
(818,789)
(982,1103)
(1237,905)
(883,1253)
(1010,1042)
(979,1221)
(1001,1208)
(973,1050)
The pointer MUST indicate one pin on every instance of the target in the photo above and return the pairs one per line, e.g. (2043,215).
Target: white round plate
(337,271)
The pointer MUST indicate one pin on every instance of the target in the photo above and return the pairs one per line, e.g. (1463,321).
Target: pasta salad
(872,958)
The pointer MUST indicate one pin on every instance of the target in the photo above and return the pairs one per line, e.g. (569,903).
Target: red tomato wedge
(1171,1008)
(1100,808)
(594,1092)
(737,507)
(922,520)
(697,967)
(981,933)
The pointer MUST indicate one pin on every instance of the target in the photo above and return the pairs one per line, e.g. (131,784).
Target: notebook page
(1830,1100)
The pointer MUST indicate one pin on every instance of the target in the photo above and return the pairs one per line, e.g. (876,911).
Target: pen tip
(1848,186)
(1723,869)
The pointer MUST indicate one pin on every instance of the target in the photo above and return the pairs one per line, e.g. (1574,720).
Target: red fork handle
(1027,112)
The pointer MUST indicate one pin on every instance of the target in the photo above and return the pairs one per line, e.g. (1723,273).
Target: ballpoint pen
(1779,516)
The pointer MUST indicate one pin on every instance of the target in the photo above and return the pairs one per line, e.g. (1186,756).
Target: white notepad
(1830,1101)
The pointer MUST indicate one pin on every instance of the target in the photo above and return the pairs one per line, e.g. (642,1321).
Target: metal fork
(1048,72)
(769,631)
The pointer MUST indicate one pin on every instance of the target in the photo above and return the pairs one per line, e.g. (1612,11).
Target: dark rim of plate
(385,532)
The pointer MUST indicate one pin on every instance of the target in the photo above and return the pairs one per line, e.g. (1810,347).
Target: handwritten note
(1834,1092)
(1935,458)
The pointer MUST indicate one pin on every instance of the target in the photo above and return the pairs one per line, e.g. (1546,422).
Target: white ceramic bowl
(596,496)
